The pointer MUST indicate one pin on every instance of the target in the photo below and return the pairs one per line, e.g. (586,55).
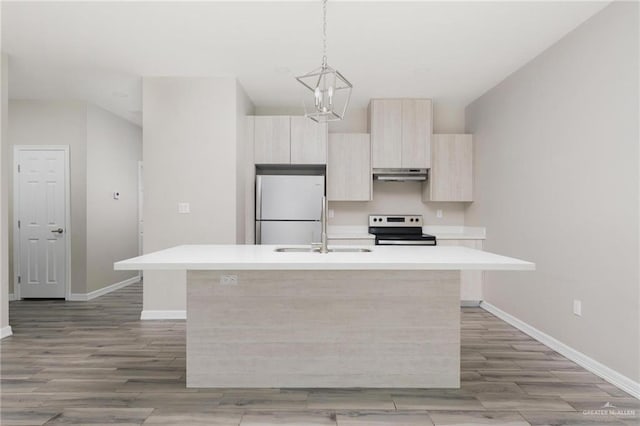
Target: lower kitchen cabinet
(451,174)
(470,281)
(349,167)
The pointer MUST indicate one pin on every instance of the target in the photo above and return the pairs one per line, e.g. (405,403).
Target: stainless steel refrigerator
(288,208)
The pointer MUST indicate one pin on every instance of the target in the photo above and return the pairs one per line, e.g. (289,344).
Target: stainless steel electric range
(399,230)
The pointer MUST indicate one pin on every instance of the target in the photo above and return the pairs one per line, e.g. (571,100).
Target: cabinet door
(416,133)
(272,140)
(451,174)
(308,141)
(385,124)
(349,167)
(470,281)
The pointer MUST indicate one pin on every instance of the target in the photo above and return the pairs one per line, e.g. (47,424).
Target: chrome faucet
(323,218)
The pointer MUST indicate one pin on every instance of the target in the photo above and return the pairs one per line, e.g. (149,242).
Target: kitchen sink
(317,250)
(295,250)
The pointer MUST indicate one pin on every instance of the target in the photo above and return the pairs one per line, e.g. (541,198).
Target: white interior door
(41,212)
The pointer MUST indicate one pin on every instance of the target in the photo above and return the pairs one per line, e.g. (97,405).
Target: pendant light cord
(324,33)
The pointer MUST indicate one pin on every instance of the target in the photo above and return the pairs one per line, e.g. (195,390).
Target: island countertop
(264,257)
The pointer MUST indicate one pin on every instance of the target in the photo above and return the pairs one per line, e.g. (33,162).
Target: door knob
(58,231)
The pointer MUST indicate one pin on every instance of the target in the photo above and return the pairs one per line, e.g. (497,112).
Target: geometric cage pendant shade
(327,93)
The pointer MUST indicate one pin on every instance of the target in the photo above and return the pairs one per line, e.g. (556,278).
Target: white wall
(556,162)
(114,147)
(245,172)
(447,117)
(396,198)
(190,155)
(4,198)
(104,150)
(57,123)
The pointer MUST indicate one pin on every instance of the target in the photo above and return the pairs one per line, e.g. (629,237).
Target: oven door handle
(406,243)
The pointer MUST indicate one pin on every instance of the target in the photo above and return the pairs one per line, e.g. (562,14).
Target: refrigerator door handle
(258,209)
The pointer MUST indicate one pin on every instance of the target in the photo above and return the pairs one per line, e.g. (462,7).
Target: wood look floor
(97,363)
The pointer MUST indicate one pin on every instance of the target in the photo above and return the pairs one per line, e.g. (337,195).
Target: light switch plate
(184,208)
(577,308)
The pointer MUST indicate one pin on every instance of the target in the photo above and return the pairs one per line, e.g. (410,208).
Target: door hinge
(18,168)
(18,224)
(19,279)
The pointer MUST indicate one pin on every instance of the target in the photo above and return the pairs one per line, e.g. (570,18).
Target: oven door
(390,241)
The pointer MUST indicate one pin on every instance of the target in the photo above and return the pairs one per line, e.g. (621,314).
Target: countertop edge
(324,267)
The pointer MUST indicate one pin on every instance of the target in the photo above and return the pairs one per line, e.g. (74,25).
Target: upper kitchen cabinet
(385,126)
(349,167)
(289,140)
(308,141)
(416,133)
(272,139)
(451,174)
(401,133)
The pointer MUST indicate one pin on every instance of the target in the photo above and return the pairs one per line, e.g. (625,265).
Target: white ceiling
(449,51)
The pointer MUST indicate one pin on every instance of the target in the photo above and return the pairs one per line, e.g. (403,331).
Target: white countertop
(456,232)
(263,257)
(445,232)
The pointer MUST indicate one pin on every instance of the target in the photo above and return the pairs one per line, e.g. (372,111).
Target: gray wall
(190,155)
(4,193)
(58,123)
(556,163)
(114,147)
(244,166)
(104,150)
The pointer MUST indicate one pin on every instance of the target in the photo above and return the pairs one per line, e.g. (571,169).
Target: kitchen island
(388,318)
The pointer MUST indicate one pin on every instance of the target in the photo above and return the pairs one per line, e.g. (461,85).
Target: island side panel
(324,329)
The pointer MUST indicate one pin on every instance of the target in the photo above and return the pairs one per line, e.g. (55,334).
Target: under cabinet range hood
(400,175)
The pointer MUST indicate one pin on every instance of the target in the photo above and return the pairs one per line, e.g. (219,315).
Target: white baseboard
(163,315)
(12,297)
(470,303)
(621,381)
(5,332)
(83,297)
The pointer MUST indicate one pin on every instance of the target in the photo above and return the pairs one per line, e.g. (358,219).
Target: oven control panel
(381,220)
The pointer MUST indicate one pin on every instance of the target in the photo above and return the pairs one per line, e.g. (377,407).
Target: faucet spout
(323,219)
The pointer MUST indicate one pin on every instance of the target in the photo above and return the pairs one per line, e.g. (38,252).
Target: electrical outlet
(228,279)
(184,208)
(577,308)
(439,214)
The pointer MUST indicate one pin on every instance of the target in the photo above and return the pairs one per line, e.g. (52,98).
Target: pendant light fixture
(327,92)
